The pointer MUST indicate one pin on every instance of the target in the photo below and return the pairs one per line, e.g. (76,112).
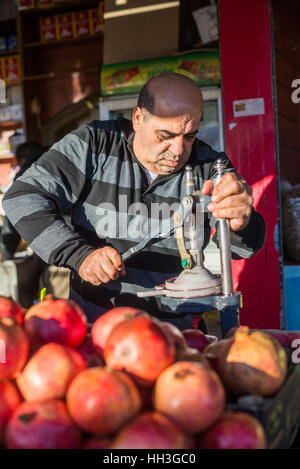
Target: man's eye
(189,137)
(164,137)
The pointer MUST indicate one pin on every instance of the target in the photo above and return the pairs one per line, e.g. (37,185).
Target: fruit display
(131,382)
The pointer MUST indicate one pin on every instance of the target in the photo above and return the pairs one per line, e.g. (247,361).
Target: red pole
(250,143)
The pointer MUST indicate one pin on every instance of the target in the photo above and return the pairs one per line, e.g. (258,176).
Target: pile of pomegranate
(133,382)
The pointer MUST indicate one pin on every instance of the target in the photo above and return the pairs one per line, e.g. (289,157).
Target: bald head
(170,95)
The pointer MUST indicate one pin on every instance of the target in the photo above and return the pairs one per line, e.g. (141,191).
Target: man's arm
(49,187)
(232,199)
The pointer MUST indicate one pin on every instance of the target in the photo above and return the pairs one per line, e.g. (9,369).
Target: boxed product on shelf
(26,4)
(81,24)
(48,29)
(2,43)
(65,28)
(12,71)
(97,19)
(11,42)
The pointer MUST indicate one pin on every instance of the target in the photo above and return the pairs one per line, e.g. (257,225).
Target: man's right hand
(102,266)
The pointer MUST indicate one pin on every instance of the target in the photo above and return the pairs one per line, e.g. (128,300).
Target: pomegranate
(103,326)
(100,401)
(96,443)
(9,401)
(175,333)
(60,321)
(230,332)
(49,372)
(191,355)
(152,430)
(14,348)
(91,354)
(11,308)
(140,347)
(250,362)
(43,425)
(196,339)
(234,430)
(191,394)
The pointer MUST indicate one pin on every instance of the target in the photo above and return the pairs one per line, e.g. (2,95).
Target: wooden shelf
(10,125)
(10,19)
(52,75)
(4,53)
(73,40)
(75,5)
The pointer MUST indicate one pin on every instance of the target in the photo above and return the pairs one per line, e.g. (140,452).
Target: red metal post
(246,64)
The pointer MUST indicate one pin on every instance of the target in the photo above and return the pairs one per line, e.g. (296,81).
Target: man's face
(164,144)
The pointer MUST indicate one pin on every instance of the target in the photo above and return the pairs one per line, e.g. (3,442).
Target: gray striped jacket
(94,173)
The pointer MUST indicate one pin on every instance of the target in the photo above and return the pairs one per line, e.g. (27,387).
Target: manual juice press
(196,290)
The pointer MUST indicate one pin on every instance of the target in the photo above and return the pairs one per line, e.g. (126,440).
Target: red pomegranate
(249,362)
(60,321)
(140,347)
(175,333)
(196,339)
(91,354)
(96,443)
(234,430)
(191,394)
(49,372)
(152,430)
(43,425)
(11,308)
(100,401)
(191,355)
(9,401)
(14,348)
(103,326)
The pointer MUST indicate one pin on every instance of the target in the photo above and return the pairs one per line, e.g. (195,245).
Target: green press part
(185,263)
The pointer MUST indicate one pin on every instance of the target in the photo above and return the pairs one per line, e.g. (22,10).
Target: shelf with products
(59,67)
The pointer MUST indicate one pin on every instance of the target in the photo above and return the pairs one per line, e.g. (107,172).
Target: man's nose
(177,146)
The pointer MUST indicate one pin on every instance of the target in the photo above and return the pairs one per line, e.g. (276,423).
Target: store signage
(249,107)
(129,77)
(206,20)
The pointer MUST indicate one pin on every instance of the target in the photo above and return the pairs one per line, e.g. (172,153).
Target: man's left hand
(231,199)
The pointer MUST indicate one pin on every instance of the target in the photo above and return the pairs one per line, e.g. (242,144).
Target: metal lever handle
(224,242)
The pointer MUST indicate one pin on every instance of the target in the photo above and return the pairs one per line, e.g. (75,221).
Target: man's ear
(137,118)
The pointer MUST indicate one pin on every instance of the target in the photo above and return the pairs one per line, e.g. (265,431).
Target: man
(103,171)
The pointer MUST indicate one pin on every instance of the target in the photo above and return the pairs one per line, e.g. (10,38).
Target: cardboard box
(12,71)
(65,26)
(97,19)
(48,31)
(82,25)
(26,4)
(140,30)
